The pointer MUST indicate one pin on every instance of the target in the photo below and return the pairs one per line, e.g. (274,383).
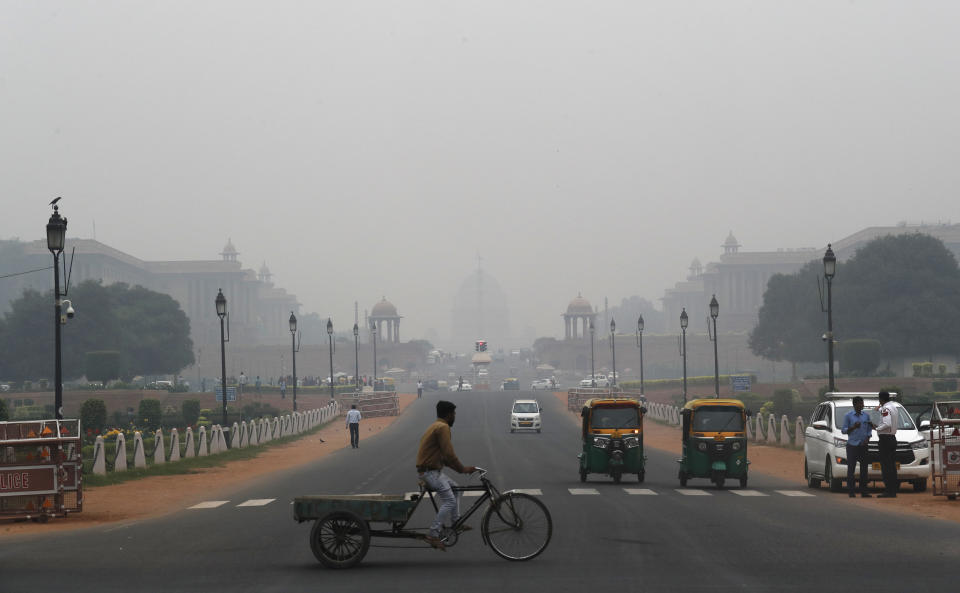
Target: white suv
(525,415)
(595,381)
(825,447)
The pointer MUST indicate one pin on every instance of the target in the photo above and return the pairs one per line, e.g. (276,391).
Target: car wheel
(512,431)
(538,431)
(920,485)
(836,484)
(811,481)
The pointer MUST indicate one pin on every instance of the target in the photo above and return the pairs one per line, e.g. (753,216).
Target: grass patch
(191,465)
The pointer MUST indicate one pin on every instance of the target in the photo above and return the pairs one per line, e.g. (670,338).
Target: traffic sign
(231,394)
(741,383)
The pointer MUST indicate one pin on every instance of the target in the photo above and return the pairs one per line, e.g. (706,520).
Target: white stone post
(120,463)
(174,445)
(235,436)
(771,429)
(799,433)
(189,437)
(203,451)
(784,430)
(214,439)
(99,457)
(159,450)
(139,457)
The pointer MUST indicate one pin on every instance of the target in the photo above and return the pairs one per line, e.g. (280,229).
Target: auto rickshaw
(612,438)
(714,441)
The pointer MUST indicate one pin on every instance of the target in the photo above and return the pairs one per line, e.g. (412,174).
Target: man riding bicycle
(435,452)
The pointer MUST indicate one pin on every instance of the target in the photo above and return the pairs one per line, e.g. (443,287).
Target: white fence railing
(761,428)
(242,434)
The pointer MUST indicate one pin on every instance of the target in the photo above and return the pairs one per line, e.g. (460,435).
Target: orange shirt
(436,448)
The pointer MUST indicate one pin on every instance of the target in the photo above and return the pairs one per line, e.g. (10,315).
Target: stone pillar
(566,327)
(389,330)
(396,331)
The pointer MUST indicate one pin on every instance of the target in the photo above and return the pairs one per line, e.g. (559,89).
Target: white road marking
(472,493)
(794,493)
(640,491)
(530,491)
(256,502)
(583,491)
(209,504)
(692,492)
(410,495)
(748,493)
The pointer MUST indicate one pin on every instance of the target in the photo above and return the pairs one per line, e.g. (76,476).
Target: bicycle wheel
(517,526)
(340,539)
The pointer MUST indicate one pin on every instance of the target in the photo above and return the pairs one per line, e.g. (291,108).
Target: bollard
(120,462)
(189,452)
(159,454)
(99,457)
(174,445)
(203,452)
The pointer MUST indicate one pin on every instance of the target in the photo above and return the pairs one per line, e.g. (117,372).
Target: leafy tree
(102,365)
(791,320)
(4,414)
(190,410)
(149,414)
(860,357)
(93,414)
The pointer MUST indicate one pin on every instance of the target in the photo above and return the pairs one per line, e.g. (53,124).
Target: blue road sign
(741,383)
(231,394)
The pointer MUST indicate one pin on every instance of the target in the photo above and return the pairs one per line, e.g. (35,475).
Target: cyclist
(435,452)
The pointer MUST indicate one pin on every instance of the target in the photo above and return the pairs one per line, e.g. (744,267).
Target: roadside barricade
(371,403)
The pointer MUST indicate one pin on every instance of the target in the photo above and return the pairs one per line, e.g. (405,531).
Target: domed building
(480,313)
(383,314)
(579,314)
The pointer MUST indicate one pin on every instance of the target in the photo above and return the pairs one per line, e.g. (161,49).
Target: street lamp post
(330,336)
(56,237)
(640,345)
(373,338)
(829,271)
(714,313)
(356,356)
(593,375)
(221,302)
(613,346)
(684,320)
(294,348)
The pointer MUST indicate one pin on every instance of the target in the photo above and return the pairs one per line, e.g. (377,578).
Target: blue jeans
(449,507)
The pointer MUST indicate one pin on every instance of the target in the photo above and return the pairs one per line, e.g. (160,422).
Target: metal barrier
(41,469)
(577,396)
(371,403)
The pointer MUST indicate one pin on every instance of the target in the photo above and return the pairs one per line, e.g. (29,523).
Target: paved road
(632,537)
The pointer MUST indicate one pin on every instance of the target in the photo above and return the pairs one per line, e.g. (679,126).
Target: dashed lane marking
(748,493)
(530,491)
(209,504)
(256,502)
(640,491)
(583,491)
(794,493)
(692,492)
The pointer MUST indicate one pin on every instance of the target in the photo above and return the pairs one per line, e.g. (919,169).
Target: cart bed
(387,508)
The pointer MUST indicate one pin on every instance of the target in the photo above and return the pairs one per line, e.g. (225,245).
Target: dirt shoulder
(160,495)
(787,464)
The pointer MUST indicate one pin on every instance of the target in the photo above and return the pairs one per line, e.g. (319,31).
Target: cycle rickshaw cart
(515,525)
(41,471)
(945,449)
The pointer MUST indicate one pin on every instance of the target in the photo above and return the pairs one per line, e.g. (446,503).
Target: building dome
(579,305)
(384,309)
(229,252)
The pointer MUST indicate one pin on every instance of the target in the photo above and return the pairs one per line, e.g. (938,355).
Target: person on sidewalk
(858,428)
(435,452)
(887,434)
(419,388)
(353,424)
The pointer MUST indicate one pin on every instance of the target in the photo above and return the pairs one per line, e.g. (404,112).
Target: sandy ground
(787,464)
(159,495)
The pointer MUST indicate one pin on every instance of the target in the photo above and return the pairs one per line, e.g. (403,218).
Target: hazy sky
(373,148)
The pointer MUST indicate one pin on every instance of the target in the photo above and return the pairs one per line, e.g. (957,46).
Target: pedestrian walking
(283,388)
(460,383)
(887,435)
(242,382)
(258,384)
(858,428)
(419,388)
(353,424)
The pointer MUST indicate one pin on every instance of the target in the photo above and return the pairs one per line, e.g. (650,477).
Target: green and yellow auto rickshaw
(612,438)
(714,441)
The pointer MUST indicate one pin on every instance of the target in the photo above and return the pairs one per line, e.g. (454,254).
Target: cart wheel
(340,539)
(951,497)
(517,526)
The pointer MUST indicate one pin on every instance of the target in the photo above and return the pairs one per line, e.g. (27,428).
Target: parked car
(525,415)
(541,384)
(510,385)
(595,381)
(825,445)
(456,387)
(431,385)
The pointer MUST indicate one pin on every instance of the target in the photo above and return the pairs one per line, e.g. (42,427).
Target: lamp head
(293,323)
(829,263)
(613,326)
(714,307)
(684,319)
(640,324)
(221,302)
(356,330)
(56,232)
(329,327)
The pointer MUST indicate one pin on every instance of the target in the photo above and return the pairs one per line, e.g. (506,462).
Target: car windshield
(718,418)
(525,408)
(906,421)
(625,417)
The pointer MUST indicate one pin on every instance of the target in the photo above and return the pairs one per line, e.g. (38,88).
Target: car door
(814,442)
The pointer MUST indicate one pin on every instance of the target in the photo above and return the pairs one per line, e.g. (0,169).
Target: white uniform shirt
(889,419)
(353,417)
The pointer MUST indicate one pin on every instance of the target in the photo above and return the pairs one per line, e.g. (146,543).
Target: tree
(790,320)
(149,414)
(93,415)
(102,365)
(860,357)
(190,410)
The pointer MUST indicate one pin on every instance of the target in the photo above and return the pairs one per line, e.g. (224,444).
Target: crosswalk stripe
(256,502)
(693,492)
(583,491)
(530,491)
(793,493)
(472,493)
(748,493)
(640,491)
(209,504)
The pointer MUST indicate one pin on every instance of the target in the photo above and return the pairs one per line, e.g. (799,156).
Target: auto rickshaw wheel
(340,539)
(743,482)
(583,475)
(641,476)
(616,477)
(683,479)
(719,483)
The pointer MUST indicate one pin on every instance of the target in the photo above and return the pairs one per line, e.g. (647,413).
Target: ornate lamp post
(56,238)
(373,338)
(356,356)
(295,348)
(613,346)
(221,303)
(640,346)
(714,313)
(829,271)
(330,336)
(593,375)
(684,320)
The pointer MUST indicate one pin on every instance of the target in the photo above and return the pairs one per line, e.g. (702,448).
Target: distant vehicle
(431,384)
(4,387)
(510,385)
(525,415)
(541,384)
(595,381)
(466,387)
(483,373)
